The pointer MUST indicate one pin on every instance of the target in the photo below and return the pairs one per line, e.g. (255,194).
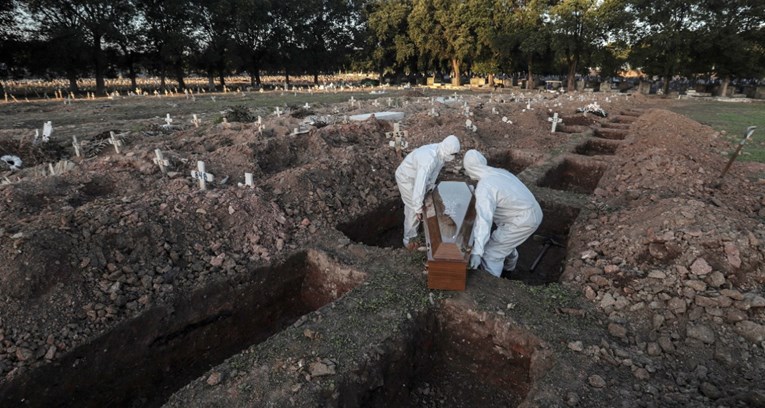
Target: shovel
(547,243)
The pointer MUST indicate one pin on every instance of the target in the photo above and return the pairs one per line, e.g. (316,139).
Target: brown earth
(122,285)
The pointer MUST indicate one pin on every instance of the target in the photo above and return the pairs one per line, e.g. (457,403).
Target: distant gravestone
(160,161)
(47,131)
(115,141)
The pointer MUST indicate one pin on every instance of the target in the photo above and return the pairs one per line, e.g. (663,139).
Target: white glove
(475,261)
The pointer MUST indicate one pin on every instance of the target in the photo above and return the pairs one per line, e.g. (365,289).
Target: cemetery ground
(123,283)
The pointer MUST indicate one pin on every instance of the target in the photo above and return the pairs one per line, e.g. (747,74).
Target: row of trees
(170,38)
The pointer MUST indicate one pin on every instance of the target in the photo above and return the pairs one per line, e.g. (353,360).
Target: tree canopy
(456,38)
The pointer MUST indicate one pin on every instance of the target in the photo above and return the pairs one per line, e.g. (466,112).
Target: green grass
(733,118)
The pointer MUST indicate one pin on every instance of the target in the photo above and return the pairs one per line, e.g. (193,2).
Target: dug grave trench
(577,174)
(381,227)
(141,362)
(453,357)
(597,147)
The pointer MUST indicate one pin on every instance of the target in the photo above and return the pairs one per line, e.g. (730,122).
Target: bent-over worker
(501,199)
(416,175)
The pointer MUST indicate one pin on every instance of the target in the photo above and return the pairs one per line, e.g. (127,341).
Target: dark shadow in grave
(514,161)
(449,358)
(597,148)
(610,133)
(578,175)
(382,227)
(555,226)
(141,362)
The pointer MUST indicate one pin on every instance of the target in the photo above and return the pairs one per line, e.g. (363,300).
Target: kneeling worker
(501,199)
(416,175)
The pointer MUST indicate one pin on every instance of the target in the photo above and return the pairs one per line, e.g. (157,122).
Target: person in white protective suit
(417,174)
(501,199)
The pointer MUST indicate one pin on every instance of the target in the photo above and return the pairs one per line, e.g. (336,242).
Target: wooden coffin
(448,219)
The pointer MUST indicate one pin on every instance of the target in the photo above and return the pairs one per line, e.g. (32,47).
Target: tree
(168,28)
(93,19)
(389,47)
(529,35)
(253,34)
(441,31)
(665,33)
(731,41)
(217,34)
(130,38)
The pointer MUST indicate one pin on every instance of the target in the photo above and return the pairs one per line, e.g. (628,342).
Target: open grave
(610,133)
(453,358)
(142,361)
(541,256)
(575,174)
(512,160)
(383,226)
(594,147)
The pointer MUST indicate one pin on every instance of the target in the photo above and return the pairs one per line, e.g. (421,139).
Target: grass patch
(733,118)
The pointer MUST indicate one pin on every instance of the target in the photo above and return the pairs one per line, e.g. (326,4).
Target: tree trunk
(252,79)
(286,79)
(222,78)
(99,69)
(491,80)
(210,81)
(724,86)
(316,78)
(179,76)
(530,80)
(455,72)
(162,78)
(571,80)
(257,76)
(72,76)
(132,75)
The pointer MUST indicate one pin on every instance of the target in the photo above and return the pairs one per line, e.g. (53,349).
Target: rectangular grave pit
(452,358)
(575,174)
(382,226)
(141,362)
(610,133)
(512,160)
(556,225)
(593,147)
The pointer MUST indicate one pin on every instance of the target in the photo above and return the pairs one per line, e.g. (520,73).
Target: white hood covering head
(475,165)
(448,148)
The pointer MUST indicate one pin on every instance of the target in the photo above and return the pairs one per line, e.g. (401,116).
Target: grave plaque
(448,219)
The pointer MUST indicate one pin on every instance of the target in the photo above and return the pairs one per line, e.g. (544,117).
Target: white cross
(390,101)
(168,120)
(433,112)
(248,180)
(76,146)
(467,111)
(278,112)
(37,136)
(114,141)
(352,101)
(307,106)
(47,131)
(528,105)
(202,176)
(399,142)
(555,120)
(160,160)
(196,121)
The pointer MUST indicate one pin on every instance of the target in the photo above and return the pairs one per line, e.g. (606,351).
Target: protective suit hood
(448,148)
(475,165)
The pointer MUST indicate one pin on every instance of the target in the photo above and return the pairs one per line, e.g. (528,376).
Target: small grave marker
(433,112)
(196,121)
(399,139)
(278,112)
(160,161)
(201,175)
(168,120)
(469,125)
(47,131)
(507,120)
(248,181)
(554,120)
(352,101)
(115,141)
(76,145)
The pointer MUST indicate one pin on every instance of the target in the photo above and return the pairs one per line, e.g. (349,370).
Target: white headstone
(201,175)
(278,112)
(168,120)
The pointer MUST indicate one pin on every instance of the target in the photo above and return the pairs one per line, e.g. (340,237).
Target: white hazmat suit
(501,199)
(417,174)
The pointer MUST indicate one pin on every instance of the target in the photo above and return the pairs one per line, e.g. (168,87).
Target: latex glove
(475,261)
